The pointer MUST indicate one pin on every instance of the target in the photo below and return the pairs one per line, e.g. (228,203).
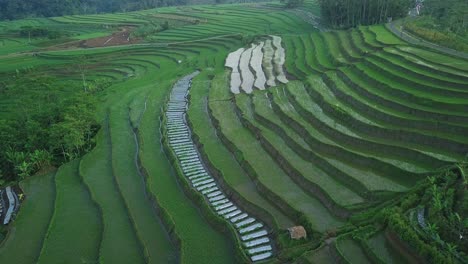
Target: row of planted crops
(123,196)
(367,118)
(350,120)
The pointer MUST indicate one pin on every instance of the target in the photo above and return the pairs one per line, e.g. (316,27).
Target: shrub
(444,38)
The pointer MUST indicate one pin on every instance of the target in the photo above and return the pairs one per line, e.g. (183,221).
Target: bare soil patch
(115,39)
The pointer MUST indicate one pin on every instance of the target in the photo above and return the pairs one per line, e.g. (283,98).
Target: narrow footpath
(253,234)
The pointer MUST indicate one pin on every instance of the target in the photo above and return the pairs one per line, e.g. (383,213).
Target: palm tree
(432,228)
(452,249)
(24,170)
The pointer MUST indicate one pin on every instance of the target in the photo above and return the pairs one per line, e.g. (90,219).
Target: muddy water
(268,53)
(279,60)
(232,61)
(246,75)
(256,64)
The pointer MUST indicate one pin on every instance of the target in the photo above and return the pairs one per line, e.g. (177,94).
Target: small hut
(297,232)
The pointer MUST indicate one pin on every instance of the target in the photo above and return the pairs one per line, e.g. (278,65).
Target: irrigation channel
(253,234)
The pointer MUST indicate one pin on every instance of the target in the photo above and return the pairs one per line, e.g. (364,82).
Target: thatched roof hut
(297,232)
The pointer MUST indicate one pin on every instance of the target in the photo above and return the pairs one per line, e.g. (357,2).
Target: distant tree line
(292,3)
(442,22)
(13,9)
(52,123)
(351,13)
(449,14)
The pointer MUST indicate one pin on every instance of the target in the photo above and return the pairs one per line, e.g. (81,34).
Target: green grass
(73,208)
(26,235)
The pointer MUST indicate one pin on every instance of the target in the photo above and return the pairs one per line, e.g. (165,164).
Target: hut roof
(297,232)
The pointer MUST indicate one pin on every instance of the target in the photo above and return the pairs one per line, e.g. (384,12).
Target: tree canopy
(450,14)
(292,3)
(350,13)
(13,9)
(48,128)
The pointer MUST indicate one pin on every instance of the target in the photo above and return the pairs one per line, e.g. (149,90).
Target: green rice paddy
(365,116)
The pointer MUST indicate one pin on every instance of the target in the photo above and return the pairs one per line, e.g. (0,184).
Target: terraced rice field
(251,232)
(310,128)
(248,66)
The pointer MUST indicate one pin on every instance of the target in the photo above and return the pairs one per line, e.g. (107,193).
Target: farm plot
(288,196)
(350,250)
(318,141)
(76,221)
(147,225)
(383,249)
(258,65)
(118,231)
(279,59)
(232,61)
(198,241)
(246,74)
(327,121)
(323,183)
(222,160)
(268,53)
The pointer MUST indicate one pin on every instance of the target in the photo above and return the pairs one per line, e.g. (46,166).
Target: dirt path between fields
(123,37)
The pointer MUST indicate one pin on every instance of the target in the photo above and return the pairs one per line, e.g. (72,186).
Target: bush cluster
(444,38)
(47,129)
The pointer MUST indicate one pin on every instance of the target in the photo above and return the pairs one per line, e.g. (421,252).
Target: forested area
(13,9)
(449,14)
(442,22)
(51,125)
(350,13)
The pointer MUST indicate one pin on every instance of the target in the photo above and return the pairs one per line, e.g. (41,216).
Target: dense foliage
(38,32)
(450,14)
(48,127)
(350,13)
(292,3)
(12,9)
(437,223)
(442,22)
